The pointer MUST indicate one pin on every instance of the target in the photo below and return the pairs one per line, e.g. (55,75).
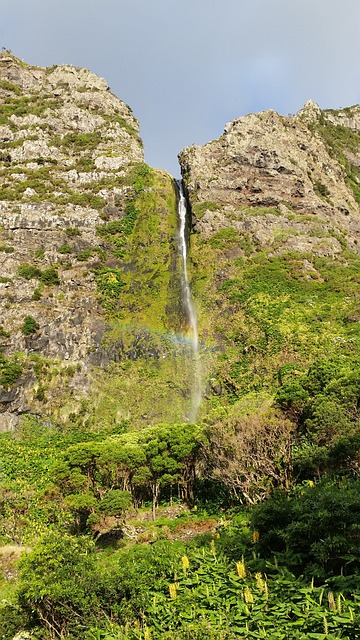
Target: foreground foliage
(171,590)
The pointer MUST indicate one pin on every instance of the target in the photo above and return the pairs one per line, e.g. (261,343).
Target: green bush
(10,371)
(3,333)
(316,529)
(10,86)
(29,326)
(65,248)
(50,276)
(6,248)
(28,272)
(84,255)
(36,294)
(57,583)
(72,232)
(321,189)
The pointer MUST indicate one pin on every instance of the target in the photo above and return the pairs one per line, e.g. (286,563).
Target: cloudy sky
(187,67)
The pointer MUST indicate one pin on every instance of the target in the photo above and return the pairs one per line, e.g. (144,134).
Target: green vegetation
(199,208)
(3,333)
(342,142)
(65,248)
(10,370)
(118,520)
(223,584)
(72,232)
(29,326)
(20,105)
(62,576)
(48,276)
(88,141)
(321,190)
(9,86)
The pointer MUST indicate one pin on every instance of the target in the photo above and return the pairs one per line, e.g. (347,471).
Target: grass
(199,208)
(21,106)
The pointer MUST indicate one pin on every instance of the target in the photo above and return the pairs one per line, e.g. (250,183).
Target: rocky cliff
(266,170)
(275,244)
(93,332)
(87,249)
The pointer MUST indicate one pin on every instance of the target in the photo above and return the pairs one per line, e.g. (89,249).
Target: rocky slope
(276,221)
(286,167)
(87,244)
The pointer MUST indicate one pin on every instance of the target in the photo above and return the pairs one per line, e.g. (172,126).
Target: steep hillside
(89,280)
(275,250)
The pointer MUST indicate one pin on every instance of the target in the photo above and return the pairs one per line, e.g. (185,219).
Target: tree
(56,581)
(251,455)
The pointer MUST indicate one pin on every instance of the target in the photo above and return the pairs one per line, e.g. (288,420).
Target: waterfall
(189,306)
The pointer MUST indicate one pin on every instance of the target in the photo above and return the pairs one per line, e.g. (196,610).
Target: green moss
(72,232)
(268,311)
(199,208)
(48,276)
(21,106)
(79,141)
(341,142)
(321,189)
(65,249)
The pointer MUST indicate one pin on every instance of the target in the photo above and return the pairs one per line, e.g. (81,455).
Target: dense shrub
(29,326)
(316,529)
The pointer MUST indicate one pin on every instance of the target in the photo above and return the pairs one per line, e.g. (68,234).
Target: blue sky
(188,67)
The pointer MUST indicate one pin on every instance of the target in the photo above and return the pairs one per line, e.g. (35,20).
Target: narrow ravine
(189,307)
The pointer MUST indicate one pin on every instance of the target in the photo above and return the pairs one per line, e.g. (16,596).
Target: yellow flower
(260,583)
(248,596)
(147,634)
(172,591)
(326,626)
(331,601)
(255,536)
(185,563)
(241,569)
(339,603)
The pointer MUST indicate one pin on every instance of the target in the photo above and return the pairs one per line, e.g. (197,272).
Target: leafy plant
(10,371)
(29,326)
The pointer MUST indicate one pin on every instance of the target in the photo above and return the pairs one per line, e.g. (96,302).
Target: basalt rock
(71,162)
(269,173)
(275,249)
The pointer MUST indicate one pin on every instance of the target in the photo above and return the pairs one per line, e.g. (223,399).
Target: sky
(188,67)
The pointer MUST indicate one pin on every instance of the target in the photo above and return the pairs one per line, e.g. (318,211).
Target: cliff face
(93,332)
(275,244)
(285,168)
(87,249)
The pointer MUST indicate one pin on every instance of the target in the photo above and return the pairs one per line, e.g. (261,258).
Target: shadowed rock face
(297,166)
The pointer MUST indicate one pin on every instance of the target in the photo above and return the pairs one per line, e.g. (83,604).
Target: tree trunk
(155,488)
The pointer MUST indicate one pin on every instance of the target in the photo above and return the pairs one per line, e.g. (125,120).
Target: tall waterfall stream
(189,307)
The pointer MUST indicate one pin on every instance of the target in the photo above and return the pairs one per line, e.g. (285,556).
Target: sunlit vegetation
(49,276)
(119,520)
